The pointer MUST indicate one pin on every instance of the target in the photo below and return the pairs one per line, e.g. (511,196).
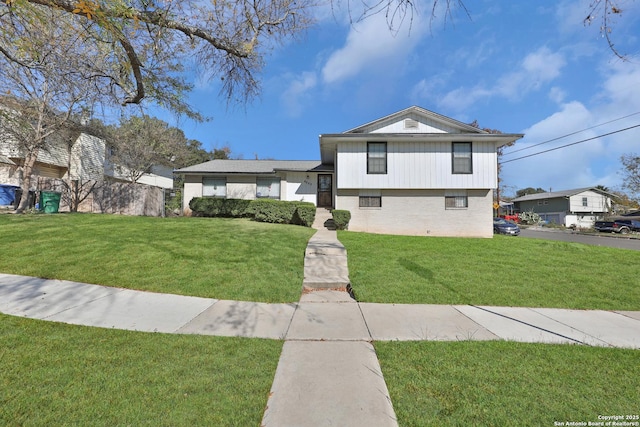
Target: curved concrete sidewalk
(320,315)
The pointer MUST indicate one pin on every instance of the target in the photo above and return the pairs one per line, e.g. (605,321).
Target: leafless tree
(604,12)
(631,173)
(141,142)
(41,93)
(144,45)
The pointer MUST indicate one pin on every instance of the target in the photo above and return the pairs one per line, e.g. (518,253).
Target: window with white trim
(456,200)
(585,202)
(214,187)
(461,157)
(376,157)
(268,188)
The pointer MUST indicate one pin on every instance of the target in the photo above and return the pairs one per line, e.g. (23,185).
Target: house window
(268,188)
(370,201)
(585,202)
(214,187)
(461,157)
(456,200)
(377,157)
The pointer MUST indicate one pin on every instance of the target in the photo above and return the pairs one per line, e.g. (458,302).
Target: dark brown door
(325,187)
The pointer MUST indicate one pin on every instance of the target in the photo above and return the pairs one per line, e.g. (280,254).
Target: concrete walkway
(328,373)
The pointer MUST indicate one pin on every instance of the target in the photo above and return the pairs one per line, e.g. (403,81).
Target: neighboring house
(104,188)
(413,172)
(84,159)
(580,207)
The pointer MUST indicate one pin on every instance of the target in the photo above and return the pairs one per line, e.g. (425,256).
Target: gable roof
(416,124)
(437,122)
(6,160)
(558,194)
(250,166)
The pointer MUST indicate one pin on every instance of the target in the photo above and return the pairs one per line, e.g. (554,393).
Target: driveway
(604,239)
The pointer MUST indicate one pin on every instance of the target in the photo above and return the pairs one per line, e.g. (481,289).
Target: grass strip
(57,374)
(504,383)
(207,257)
(503,271)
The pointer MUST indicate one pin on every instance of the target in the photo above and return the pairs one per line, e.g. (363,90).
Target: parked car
(502,226)
(622,226)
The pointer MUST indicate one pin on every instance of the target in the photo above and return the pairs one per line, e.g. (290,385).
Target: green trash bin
(50,201)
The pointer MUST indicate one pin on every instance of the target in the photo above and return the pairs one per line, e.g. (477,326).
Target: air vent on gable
(410,124)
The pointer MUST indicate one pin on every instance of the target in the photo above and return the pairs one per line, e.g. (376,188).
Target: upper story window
(377,157)
(268,188)
(214,187)
(461,157)
(585,202)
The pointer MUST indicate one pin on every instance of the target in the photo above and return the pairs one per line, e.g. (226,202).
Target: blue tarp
(7,194)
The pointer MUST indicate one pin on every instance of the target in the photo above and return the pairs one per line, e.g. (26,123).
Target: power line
(572,133)
(573,143)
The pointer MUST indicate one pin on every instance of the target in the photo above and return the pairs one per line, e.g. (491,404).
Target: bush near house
(263,210)
(341,218)
(216,207)
(305,214)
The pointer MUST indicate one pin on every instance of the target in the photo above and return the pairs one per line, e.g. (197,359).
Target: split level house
(414,172)
(579,207)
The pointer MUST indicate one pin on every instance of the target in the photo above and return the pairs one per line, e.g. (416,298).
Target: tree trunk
(25,185)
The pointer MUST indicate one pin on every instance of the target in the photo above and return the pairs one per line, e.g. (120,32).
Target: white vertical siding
(596,202)
(414,165)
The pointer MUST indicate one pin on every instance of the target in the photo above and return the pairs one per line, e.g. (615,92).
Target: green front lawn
(499,384)
(217,258)
(55,374)
(61,374)
(503,271)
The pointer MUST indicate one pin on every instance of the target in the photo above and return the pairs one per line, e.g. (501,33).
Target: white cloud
(294,96)
(588,163)
(370,44)
(536,70)
(557,95)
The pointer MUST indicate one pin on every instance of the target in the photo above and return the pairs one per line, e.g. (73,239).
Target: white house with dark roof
(414,172)
(579,207)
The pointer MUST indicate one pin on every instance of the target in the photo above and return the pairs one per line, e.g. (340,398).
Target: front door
(325,187)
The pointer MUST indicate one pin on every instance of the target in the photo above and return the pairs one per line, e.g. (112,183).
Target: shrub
(273,211)
(341,219)
(217,207)
(529,217)
(263,210)
(305,214)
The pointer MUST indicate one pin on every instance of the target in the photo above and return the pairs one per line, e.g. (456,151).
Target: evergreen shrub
(341,218)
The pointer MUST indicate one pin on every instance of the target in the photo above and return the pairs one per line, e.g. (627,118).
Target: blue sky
(521,67)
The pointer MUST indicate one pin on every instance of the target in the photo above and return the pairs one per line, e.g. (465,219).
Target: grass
(216,258)
(503,271)
(57,374)
(500,383)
